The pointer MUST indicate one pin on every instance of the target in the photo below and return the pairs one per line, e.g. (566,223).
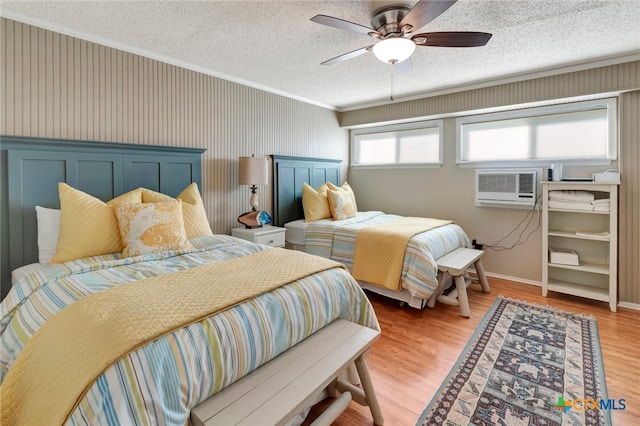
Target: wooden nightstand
(269,235)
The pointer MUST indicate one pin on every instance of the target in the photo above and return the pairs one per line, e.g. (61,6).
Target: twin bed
(109,339)
(336,239)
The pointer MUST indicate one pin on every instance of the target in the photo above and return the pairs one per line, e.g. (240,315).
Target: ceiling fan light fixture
(393,50)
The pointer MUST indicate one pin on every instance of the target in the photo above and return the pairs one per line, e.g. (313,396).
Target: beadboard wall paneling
(629,221)
(63,87)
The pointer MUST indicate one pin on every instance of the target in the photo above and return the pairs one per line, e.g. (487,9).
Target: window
(408,144)
(580,133)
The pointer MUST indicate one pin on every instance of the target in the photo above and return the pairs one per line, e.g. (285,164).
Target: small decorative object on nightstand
(269,235)
(254,219)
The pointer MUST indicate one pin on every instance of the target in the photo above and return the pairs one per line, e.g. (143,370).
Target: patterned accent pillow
(88,226)
(340,204)
(347,188)
(315,203)
(196,223)
(151,227)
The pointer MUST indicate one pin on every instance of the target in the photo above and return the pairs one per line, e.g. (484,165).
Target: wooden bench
(456,264)
(279,390)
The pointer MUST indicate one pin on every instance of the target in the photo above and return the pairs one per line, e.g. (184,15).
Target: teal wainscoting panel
(100,177)
(179,174)
(142,173)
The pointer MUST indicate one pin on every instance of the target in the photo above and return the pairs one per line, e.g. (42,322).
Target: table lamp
(253,171)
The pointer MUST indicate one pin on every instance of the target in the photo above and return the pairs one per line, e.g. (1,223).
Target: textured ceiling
(274,46)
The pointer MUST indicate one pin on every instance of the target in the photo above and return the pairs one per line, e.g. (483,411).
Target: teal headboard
(289,173)
(30,169)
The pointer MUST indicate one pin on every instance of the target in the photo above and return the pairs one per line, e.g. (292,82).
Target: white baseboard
(516,279)
(628,305)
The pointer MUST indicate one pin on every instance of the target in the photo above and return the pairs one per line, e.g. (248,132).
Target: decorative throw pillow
(340,204)
(196,223)
(347,188)
(48,231)
(151,227)
(88,226)
(315,203)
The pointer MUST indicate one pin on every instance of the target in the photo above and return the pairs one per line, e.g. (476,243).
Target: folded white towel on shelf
(601,201)
(601,208)
(567,205)
(567,195)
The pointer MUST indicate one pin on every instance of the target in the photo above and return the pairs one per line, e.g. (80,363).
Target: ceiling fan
(393,27)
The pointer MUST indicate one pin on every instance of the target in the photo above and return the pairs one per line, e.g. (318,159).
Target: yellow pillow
(315,203)
(340,204)
(196,223)
(151,227)
(345,187)
(88,226)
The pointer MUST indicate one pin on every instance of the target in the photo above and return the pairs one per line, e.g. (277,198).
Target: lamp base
(253,201)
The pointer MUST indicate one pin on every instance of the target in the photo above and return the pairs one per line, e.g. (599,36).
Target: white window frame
(439,124)
(612,152)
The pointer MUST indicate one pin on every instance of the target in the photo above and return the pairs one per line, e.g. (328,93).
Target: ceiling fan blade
(452,39)
(403,67)
(424,12)
(344,25)
(347,56)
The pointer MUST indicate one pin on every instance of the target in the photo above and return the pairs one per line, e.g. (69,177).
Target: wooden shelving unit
(596,276)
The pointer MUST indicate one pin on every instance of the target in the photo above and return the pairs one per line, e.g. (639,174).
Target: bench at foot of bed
(282,388)
(456,264)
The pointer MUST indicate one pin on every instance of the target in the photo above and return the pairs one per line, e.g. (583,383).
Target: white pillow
(48,230)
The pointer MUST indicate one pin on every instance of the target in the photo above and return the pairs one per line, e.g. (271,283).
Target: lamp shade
(394,50)
(253,171)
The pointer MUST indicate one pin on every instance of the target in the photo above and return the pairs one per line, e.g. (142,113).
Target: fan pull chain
(393,77)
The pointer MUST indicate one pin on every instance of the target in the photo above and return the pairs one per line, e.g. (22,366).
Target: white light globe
(393,50)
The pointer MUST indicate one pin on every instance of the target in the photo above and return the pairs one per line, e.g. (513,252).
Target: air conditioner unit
(516,187)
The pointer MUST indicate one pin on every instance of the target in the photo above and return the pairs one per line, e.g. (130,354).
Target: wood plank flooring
(418,348)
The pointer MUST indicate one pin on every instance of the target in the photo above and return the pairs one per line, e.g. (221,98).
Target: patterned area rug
(525,365)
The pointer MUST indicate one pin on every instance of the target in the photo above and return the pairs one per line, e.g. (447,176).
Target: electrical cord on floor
(522,238)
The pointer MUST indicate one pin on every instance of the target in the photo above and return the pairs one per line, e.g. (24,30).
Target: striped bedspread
(336,240)
(160,382)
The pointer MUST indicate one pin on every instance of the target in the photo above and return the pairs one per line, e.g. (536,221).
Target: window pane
(419,149)
(498,141)
(377,150)
(584,137)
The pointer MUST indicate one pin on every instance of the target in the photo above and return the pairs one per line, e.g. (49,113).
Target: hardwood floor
(418,348)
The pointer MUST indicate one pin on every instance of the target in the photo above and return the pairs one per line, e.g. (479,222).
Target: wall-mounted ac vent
(515,187)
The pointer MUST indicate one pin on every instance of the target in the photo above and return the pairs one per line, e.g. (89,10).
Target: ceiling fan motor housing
(387,22)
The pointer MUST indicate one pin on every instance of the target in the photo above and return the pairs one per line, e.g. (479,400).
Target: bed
(335,239)
(109,339)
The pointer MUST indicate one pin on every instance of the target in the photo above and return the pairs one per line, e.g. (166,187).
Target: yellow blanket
(379,249)
(70,351)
